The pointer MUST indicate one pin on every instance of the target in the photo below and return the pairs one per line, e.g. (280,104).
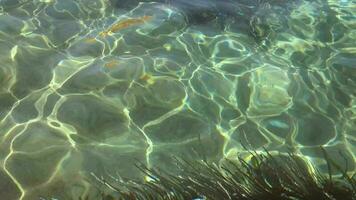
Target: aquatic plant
(264,176)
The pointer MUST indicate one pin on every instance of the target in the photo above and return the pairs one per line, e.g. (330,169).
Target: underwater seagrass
(265,176)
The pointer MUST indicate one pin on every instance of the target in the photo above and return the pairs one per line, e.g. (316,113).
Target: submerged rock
(269,92)
(253,16)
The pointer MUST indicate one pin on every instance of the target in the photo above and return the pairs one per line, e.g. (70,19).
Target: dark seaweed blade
(267,176)
(346,188)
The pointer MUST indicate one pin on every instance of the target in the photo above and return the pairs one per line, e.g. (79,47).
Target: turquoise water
(91,87)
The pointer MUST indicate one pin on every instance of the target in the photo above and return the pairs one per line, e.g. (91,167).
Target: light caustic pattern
(86,88)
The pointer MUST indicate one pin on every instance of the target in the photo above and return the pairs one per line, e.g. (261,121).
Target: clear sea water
(91,87)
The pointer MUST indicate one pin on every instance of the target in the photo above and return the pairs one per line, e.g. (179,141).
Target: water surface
(94,86)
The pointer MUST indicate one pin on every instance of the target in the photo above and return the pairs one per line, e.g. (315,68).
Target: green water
(77,99)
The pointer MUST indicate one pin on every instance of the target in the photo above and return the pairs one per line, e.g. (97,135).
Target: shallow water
(94,86)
